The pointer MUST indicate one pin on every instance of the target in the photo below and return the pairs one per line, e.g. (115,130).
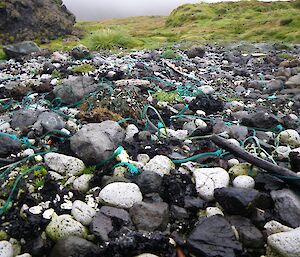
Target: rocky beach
(182,150)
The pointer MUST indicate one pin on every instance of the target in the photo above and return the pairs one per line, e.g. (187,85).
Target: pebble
(82,183)
(63,164)
(208,179)
(120,194)
(211,211)
(243,181)
(289,137)
(274,227)
(160,164)
(6,249)
(63,226)
(82,212)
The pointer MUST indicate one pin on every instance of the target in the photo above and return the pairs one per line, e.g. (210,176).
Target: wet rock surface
(121,160)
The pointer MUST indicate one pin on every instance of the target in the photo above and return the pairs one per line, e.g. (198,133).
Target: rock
(274,227)
(293,82)
(273,86)
(235,106)
(149,182)
(80,52)
(261,120)
(213,237)
(196,51)
(74,246)
(106,219)
(82,183)
(285,244)
(146,255)
(160,164)
(208,104)
(75,88)
(9,144)
(249,235)
(49,121)
(20,49)
(241,200)
(29,20)
(178,213)
(100,141)
(23,119)
(63,164)
(121,194)
(243,182)
(207,90)
(290,137)
(287,207)
(208,179)
(211,211)
(63,226)
(131,130)
(240,169)
(6,249)
(150,216)
(24,255)
(82,212)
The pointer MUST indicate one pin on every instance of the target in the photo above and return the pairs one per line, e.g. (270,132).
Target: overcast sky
(104,9)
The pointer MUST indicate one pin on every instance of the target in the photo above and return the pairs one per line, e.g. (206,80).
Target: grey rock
(23,119)
(213,237)
(287,207)
(100,140)
(8,145)
(196,51)
(273,86)
(178,213)
(241,200)
(261,120)
(293,82)
(20,49)
(74,246)
(150,216)
(149,182)
(75,88)
(249,235)
(49,121)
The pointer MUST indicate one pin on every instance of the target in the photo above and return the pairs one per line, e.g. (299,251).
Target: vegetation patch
(169,97)
(83,68)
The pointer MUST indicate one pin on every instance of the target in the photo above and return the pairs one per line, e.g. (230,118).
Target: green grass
(83,68)
(2,54)
(225,22)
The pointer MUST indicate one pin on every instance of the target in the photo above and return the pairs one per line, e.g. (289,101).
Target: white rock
(24,255)
(211,211)
(54,175)
(160,164)
(285,244)
(82,183)
(131,130)
(207,90)
(200,124)
(38,158)
(27,152)
(178,134)
(282,152)
(6,249)
(208,179)
(235,106)
(143,158)
(274,227)
(233,162)
(146,255)
(36,209)
(67,205)
(64,225)
(233,141)
(120,194)
(82,212)
(243,181)
(63,164)
(289,137)
(48,214)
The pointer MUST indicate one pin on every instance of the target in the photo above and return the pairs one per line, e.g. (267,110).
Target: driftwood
(256,161)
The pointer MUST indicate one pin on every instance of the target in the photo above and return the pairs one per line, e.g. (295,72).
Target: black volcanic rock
(34,19)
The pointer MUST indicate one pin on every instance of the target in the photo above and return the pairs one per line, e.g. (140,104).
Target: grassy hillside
(220,22)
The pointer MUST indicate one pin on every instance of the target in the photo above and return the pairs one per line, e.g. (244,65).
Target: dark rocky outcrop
(34,19)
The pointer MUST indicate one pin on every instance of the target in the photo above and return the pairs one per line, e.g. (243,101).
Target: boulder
(32,19)
(121,194)
(20,49)
(213,237)
(100,140)
(74,246)
(150,216)
(24,118)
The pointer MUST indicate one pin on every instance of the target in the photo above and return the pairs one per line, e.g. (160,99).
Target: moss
(83,68)
(56,74)
(89,170)
(169,97)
